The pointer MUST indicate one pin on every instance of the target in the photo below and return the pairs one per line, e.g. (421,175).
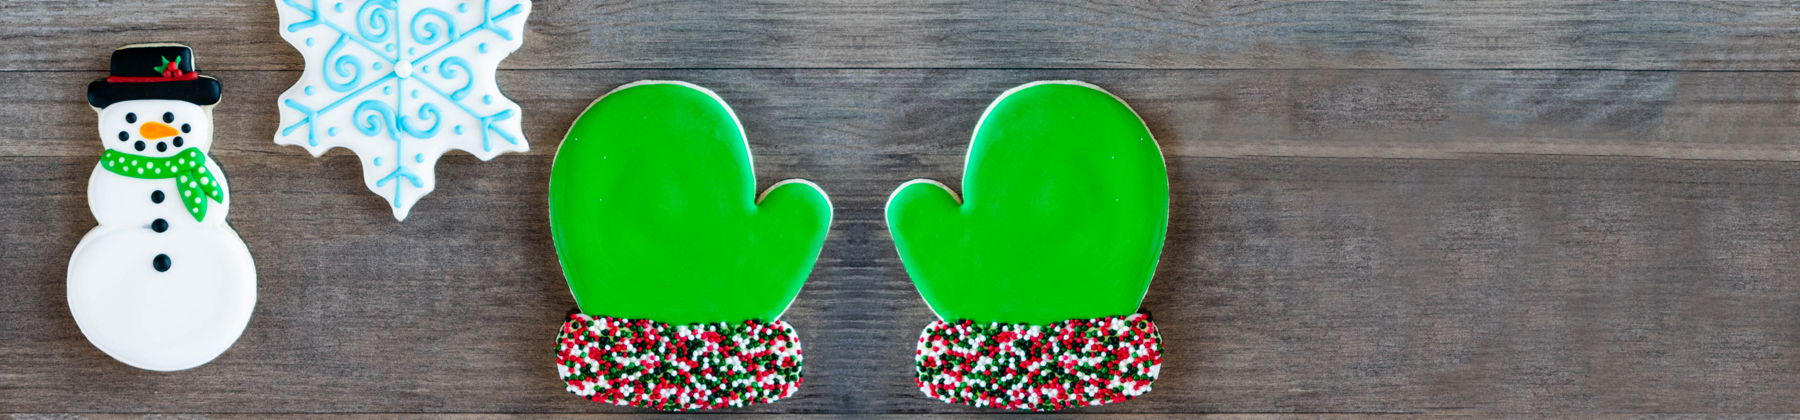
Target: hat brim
(200,91)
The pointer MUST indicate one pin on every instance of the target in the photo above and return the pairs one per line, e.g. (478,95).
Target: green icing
(187,167)
(654,211)
(1065,204)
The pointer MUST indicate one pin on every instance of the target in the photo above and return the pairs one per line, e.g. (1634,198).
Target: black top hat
(153,71)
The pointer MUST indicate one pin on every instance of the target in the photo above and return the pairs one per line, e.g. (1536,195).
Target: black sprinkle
(177,141)
(123,136)
(168,117)
(162,147)
(161,263)
(156,196)
(159,225)
(139,146)
(131,117)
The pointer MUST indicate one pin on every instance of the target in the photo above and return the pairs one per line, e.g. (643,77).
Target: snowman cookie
(163,283)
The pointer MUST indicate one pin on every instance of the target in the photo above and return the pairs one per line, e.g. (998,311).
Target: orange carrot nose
(154,130)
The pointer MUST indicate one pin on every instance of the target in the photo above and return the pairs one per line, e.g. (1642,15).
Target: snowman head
(154,103)
(155,127)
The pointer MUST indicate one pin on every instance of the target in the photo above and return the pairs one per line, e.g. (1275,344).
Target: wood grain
(1403,208)
(1289,284)
(1213,113)
(786,416)
(1757,35)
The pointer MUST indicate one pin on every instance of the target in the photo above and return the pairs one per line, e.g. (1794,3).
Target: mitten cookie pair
(681,271)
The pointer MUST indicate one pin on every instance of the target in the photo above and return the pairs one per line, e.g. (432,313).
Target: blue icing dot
(456,129)
(308,90)
(415,94)
(387,89)
(309,42)
(487,99)
(378,161)
(338,7)
(464,7)
(425,69)
(482,47)
(377,66)
(419,157)
(388,47)
(411,51)
(331,131)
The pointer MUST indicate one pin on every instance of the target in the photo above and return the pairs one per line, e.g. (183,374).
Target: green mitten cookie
(680,269)
(1038,270)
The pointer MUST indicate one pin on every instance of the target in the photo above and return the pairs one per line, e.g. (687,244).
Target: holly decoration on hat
(1038,270)
(679,267)
(170,68)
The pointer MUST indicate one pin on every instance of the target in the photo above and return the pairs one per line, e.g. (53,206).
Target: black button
(159,225)
(156,196)
(178,141)
(130,117)
(161,263)
(162,147)
(186,128)
(168,117)
(123,136)
(139,145)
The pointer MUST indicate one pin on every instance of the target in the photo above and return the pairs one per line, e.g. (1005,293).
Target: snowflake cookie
(399,83)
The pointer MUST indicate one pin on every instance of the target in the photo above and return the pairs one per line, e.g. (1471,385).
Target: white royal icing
(399,83)
(158,320)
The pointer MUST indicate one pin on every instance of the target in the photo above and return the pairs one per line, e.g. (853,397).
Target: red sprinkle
(644,363)
(1039,368)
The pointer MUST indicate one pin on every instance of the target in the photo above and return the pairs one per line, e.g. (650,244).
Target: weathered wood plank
(1535,34)
(1398,208)
(1257,416)
(920,416)
(754,416)
(1318,113)
(1541,285)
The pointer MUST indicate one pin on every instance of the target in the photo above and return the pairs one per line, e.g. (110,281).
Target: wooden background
(1431,208)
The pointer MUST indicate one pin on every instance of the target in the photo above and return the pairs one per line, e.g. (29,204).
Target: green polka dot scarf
(187,167)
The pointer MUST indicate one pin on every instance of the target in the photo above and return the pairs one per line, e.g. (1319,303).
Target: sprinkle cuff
(1079,362)
(650,364)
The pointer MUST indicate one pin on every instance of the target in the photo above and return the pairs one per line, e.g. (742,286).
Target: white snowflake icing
(400,82)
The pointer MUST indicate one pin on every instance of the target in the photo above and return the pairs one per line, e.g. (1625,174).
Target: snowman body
(159,285)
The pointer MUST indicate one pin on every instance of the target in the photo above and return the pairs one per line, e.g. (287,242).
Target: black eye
(168,117)
(130,117)
(123,136)
(186,128)
(177,141)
